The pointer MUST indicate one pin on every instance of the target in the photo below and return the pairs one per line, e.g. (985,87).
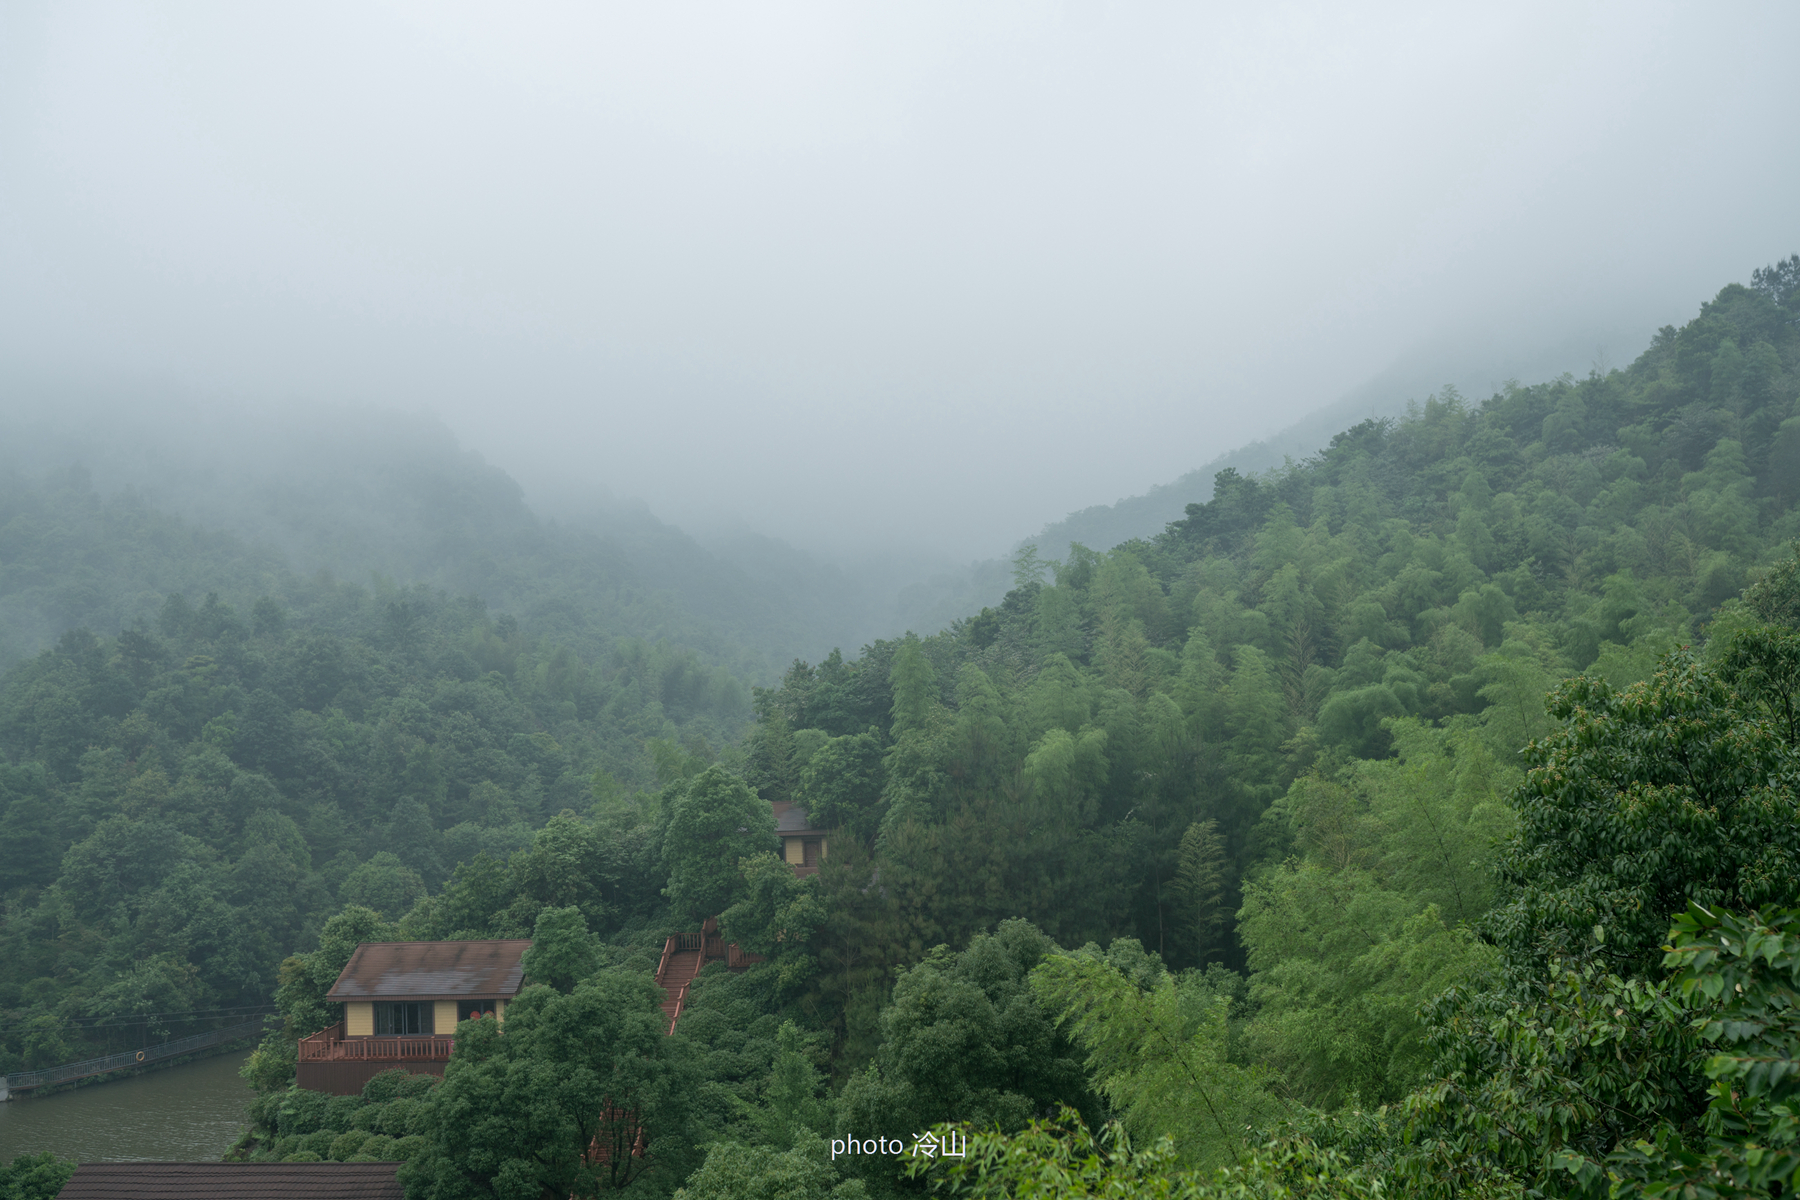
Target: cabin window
(812,852)
(402,1017)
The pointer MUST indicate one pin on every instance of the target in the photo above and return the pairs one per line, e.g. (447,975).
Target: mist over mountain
(1206,597)
(369,496)
(1474,366)
(920,279)
(281,683)
(367,493)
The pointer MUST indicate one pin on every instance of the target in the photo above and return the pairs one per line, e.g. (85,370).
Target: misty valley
(1418,818)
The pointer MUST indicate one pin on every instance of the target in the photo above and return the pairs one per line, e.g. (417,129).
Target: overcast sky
(932,273)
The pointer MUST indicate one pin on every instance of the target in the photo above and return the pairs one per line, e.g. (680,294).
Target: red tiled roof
(233,1181)
(432,970)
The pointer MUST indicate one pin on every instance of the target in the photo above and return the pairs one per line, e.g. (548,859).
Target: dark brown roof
(791,818)
(233,1181)
(432,970)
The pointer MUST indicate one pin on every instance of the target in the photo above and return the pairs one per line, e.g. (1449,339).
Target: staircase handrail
(663,964)
(680,1004)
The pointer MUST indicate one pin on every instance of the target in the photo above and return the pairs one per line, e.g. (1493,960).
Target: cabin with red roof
(402,1001)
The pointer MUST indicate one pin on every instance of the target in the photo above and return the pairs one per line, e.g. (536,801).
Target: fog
(918,276)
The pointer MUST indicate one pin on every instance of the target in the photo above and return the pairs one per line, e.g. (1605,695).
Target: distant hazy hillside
(102,515)
(367,494)
(1106,525)
(932,603)
(1474,371)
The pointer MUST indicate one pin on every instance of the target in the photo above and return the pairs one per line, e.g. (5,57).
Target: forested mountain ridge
(1284,737)
(1241,803)
(1446,569)
(368,495)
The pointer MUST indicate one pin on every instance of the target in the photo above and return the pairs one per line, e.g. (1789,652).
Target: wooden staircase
(680,964)
(684,954)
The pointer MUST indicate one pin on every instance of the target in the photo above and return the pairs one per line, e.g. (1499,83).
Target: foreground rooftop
(236,1181)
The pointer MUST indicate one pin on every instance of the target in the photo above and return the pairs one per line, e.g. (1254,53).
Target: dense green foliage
(1216,687)
(714,822)
(581,1090)
(1159,1050)
(1580,1066)
(181,806)
(964,1035)
(738,1172)
(34,1177)
(1371,914)
(1357,910)
(387,1123)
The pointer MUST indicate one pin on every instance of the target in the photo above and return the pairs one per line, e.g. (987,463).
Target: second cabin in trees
(802,846)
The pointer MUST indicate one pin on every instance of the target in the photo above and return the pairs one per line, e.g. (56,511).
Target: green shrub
(341,1112)
(385,1086)
(379,1148)
(300,1111)
(34,1176)
(415,1087)
(397,1116)
(346,1144)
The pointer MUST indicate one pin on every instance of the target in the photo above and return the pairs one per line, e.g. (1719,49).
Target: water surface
(193,1112)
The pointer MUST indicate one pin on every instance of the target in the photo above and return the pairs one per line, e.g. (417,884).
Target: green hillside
(1445,570)
(1256,841)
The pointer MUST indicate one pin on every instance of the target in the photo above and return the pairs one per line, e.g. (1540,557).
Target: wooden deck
(331,1062)
(330,1045)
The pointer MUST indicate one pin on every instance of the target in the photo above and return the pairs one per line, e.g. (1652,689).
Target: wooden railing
(662,964)
(681,994)
(318,1045)
(620,1127)
(710,946)
(330,1044)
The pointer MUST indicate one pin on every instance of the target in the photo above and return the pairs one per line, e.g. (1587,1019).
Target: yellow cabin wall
(359,1019)
(794,850)
(443,1017)
(500,1011)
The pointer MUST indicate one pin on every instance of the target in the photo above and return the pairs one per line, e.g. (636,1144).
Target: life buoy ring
(140,1057)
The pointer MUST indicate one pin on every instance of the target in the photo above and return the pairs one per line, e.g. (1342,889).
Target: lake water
(193,1112)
